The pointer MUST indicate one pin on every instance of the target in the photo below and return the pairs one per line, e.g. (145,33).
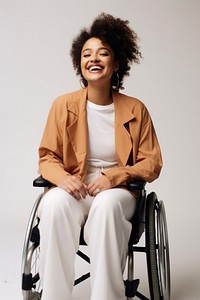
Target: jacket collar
(122,110)
(78,104)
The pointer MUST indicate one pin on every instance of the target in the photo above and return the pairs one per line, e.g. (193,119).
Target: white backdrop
(35,67)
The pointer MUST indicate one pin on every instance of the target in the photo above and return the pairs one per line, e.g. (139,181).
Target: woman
(94,142)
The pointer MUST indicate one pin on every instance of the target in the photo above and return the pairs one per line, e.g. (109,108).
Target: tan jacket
(64,146)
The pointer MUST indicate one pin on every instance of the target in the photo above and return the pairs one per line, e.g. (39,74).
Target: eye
(86,55)
(104,54)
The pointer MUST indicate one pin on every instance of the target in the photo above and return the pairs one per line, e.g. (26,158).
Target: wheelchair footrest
(131,287)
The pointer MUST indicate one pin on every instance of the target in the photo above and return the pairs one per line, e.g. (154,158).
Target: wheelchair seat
(149,218)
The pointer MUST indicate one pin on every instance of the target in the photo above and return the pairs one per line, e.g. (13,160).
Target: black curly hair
(119,36)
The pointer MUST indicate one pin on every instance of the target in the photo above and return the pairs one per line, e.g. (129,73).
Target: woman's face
(97,61)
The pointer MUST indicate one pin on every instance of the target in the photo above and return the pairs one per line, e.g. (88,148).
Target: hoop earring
(116,86)
(81,81)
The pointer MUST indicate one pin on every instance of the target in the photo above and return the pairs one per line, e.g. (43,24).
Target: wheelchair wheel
(157,249)
(31,288)
(163,251)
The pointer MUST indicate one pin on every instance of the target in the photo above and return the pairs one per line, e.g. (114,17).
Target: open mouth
(95,68)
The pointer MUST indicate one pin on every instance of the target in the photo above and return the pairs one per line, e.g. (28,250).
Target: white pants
(106,233)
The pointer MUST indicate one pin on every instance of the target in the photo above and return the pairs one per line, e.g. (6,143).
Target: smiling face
(97,61)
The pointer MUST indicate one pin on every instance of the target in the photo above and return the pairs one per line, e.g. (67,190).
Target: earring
(82,84)
(115,84)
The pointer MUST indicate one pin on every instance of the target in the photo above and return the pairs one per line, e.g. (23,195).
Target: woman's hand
(74,186)
(100,184)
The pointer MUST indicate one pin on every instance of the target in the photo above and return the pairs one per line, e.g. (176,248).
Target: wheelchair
(149,219)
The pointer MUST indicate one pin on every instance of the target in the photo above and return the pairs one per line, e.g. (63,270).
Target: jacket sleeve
(147,159)
(51,147)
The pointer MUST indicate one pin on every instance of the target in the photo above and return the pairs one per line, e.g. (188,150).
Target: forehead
(95,43)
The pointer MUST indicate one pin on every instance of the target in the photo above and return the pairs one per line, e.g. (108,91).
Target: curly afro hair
(119,36)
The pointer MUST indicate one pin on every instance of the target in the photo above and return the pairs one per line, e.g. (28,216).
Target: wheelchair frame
(149,218)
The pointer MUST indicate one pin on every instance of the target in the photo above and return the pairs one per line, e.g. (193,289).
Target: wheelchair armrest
(136,185)
(41,182)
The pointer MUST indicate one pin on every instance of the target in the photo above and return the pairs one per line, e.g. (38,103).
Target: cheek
(112,65)
(112,68)
(82,64)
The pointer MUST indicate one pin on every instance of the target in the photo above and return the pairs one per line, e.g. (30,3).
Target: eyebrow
(100,48)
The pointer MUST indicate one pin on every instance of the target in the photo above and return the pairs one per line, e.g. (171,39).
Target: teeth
(94,68)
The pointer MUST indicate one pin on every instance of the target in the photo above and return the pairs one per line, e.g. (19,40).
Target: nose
(94,58)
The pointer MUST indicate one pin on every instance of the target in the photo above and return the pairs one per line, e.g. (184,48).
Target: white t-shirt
(101,135)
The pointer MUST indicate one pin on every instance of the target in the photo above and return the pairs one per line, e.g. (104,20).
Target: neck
(100,95)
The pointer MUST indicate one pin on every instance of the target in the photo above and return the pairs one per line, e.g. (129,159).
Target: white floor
(185,272)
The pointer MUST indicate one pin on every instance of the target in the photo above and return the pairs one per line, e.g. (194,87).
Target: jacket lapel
(78,134)
(123,140)
(77,130)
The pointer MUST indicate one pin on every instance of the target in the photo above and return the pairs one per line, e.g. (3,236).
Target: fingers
(77,189)
(93,190)
(74,187)
(100,184)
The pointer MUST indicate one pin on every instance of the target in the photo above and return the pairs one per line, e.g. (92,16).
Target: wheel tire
(151,249)
(163,252)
